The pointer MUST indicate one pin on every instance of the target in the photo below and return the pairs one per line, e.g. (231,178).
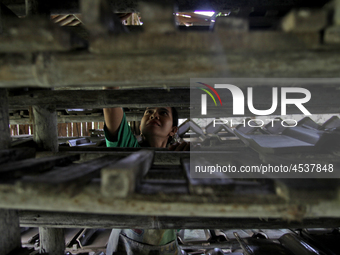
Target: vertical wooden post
(5,13)
(84,127)
(22,129)
(10,231)
(336,18)
(89,126)
(5,134)
(37,7)
(70,130)
(46,127)
(76,129)
(45,121)
(9,219)
(52,241)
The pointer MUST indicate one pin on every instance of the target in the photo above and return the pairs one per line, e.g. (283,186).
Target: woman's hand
(183,146)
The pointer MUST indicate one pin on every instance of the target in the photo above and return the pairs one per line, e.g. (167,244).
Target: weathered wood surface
(36,34)
(130,116)
(173,69)
(90,200)
(216,42)
(52,241)
(24,142)
(122,178)
(5,16)
(9,227)
(232,204)
(73,6)
(34,165)
(37,8)
(324,99)
(5,137)
(151,187)
(88,99)
(319,202)
(86,220)
(99,19)
(16,154)
(68,178)
(332,34)
(336,17)
(45,127)
(161,157)
(304,20)
(158,18)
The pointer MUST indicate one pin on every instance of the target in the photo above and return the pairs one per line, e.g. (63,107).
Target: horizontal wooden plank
(16,154)
(89,99)
(221,40)
(82,220)
(162,156)
(73,6)
(36,34)
(149,187)
(130,116)
(28,166)
(323,100)
(168,69)
(69,177)
(90,200)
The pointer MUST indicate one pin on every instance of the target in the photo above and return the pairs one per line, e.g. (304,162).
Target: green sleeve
(125,136)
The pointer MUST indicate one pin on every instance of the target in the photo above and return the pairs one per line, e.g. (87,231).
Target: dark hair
(174,117)
(174,122)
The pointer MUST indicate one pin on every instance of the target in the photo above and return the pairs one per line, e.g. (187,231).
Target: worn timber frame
(153,66)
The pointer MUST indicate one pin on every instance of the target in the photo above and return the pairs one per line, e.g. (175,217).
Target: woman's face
(157,121)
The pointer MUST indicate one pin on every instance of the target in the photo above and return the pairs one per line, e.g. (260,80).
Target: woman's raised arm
(113,117)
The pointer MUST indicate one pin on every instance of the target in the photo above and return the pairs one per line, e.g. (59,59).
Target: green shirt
(126,138)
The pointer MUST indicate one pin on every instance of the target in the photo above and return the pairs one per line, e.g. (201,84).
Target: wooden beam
(90,200)
(89,99)
(99,19)
(158,17)
(72,6)
(69,178)
(46,127)
(336,18)
(324,99)
(221,40)
(304,20)
(84,220)
(11,155)
(332,34)
(130,116)
(23,36)
(52,241)
(122,178)
(37,8)
(237,203)
(161,157)
(5,137)
(169,69)
(34,165)
(5,16)
(9,227)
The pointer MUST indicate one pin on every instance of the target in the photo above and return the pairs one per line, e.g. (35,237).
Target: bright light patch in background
(205,13)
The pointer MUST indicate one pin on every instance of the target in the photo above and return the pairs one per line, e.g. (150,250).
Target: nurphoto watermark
(247,110)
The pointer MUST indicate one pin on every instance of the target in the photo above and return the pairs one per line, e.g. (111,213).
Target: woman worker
(158,127)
